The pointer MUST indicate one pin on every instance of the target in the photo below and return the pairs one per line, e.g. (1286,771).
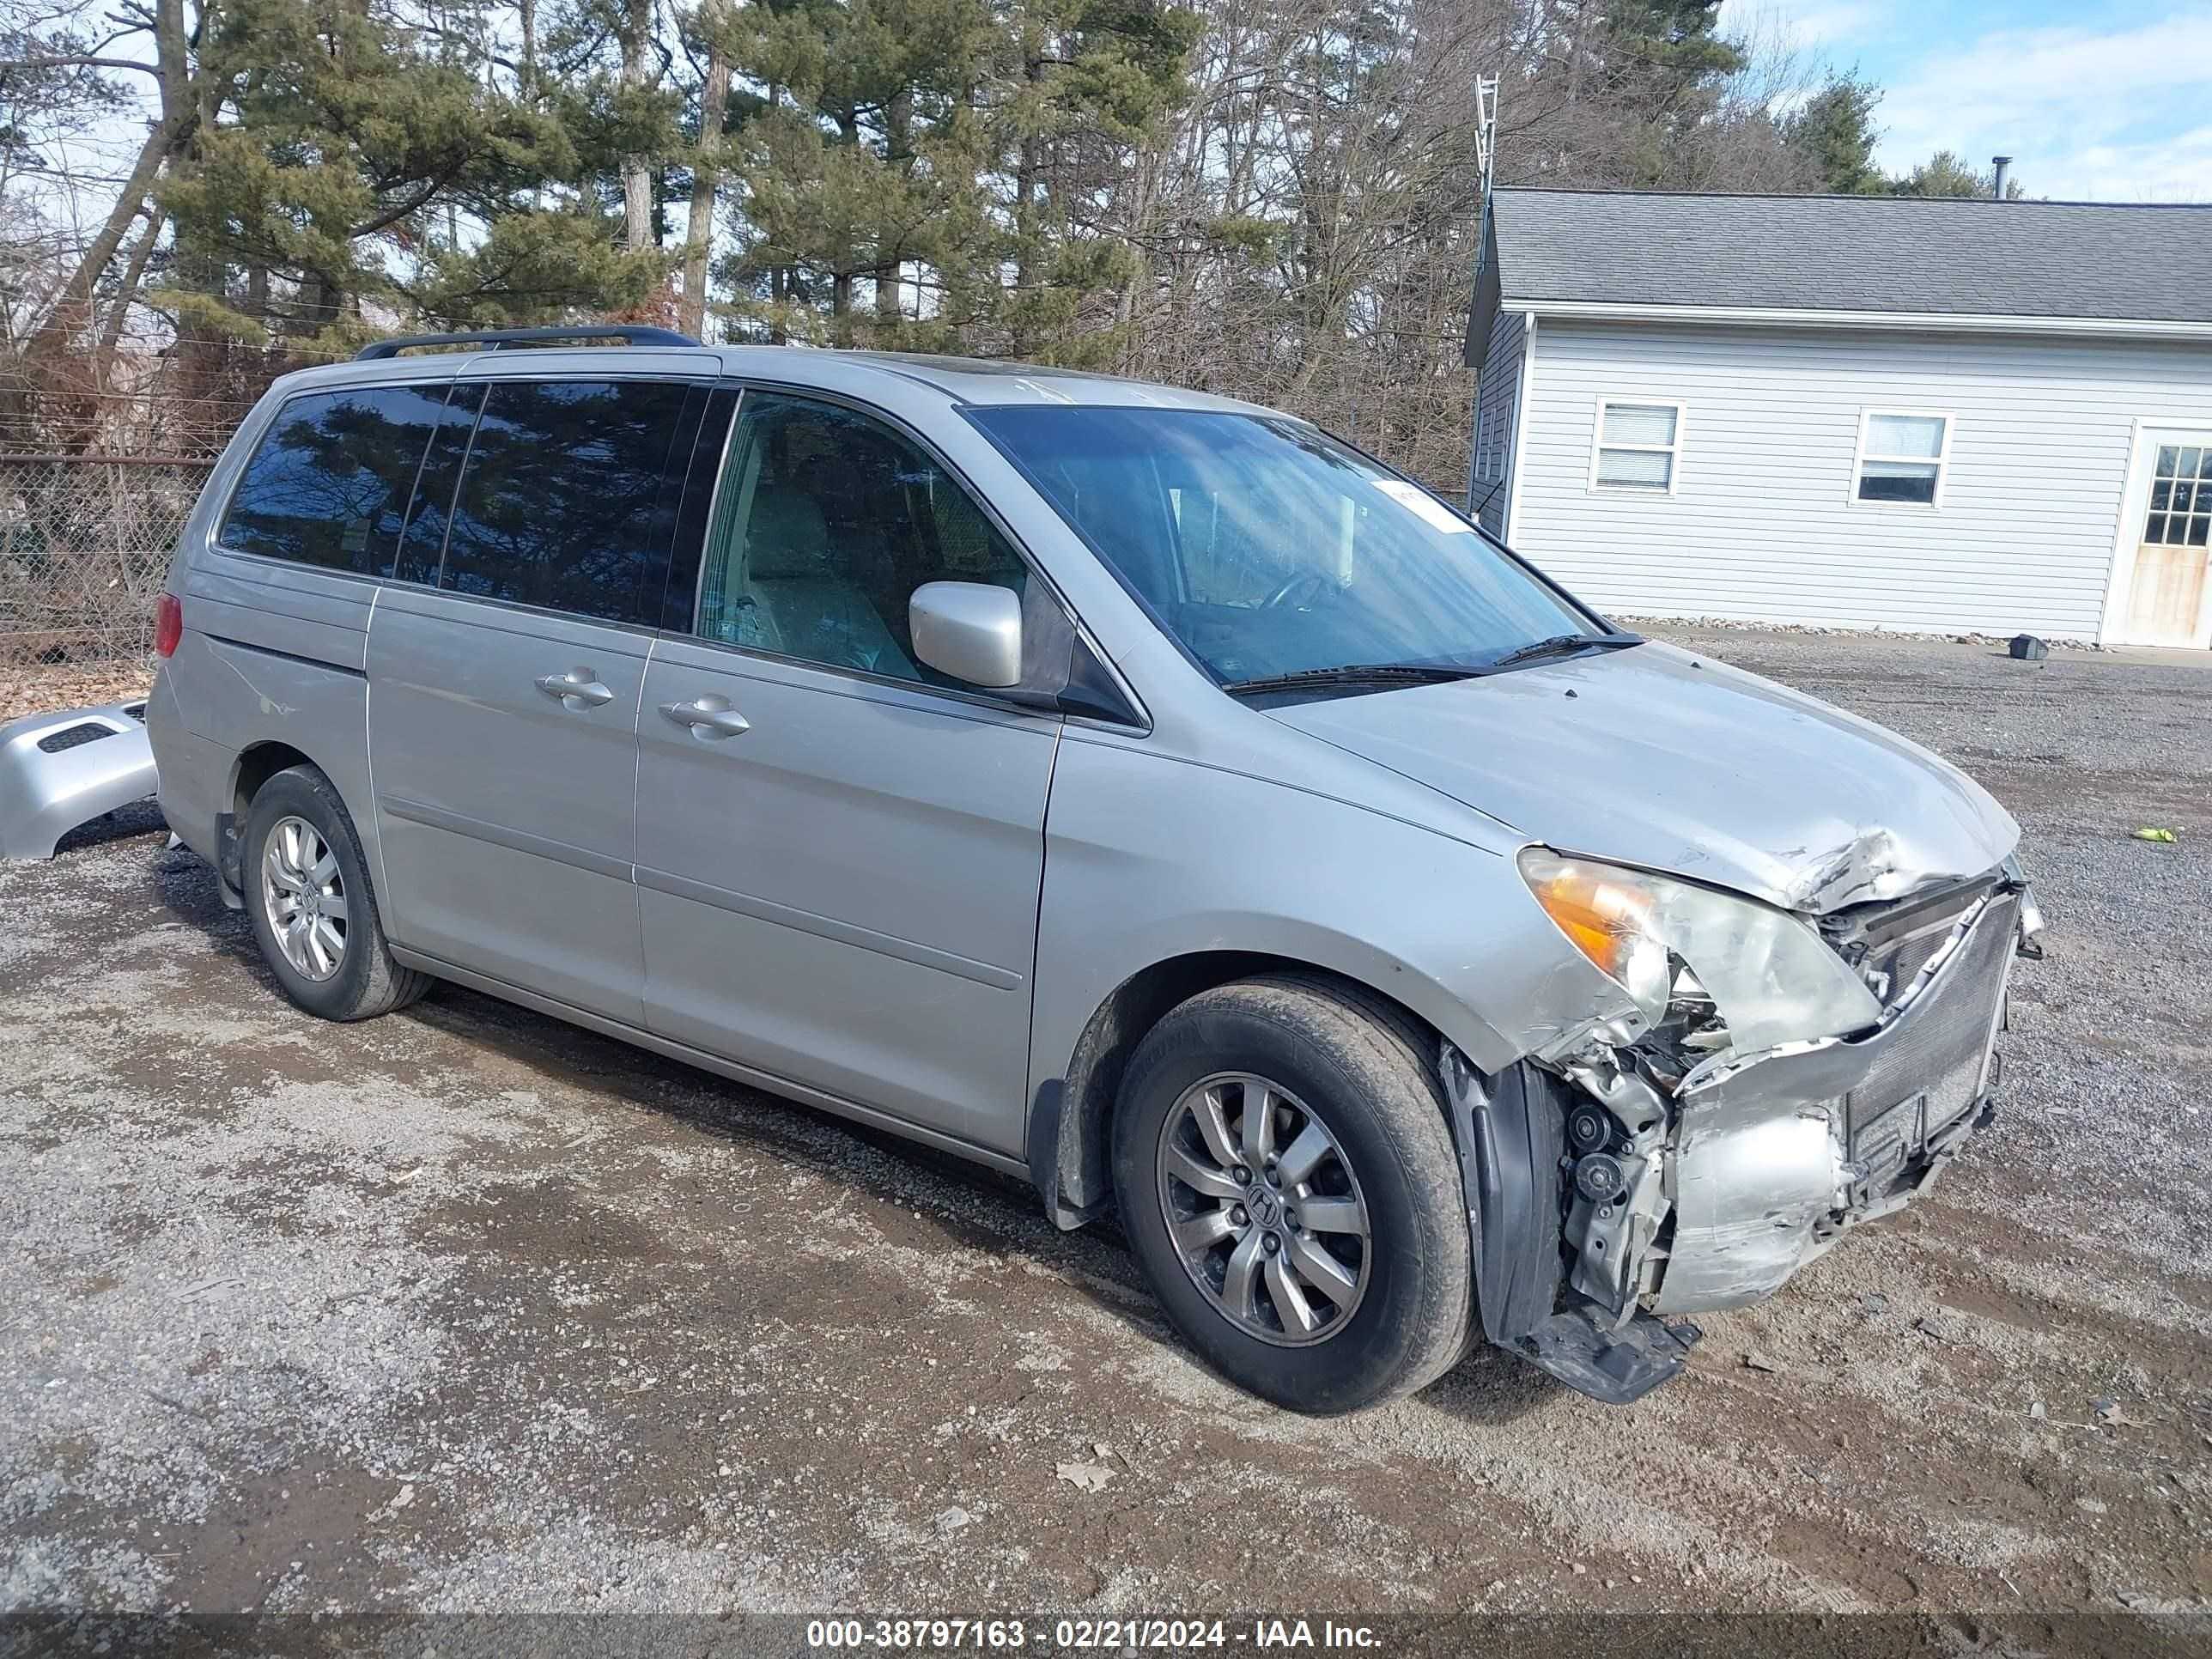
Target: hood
(1652,756)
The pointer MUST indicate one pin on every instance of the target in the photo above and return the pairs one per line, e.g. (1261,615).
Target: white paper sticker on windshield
(1432,511)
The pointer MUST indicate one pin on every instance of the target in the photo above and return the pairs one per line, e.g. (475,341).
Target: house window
(2180,498)
(1636,446)
(1902,456)
(1490,444)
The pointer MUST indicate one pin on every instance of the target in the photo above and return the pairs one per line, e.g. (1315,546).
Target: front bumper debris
(1777,1155)
(1672,1190)
(1510,1130)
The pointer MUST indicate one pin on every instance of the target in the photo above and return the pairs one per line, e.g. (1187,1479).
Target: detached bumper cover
(60,771)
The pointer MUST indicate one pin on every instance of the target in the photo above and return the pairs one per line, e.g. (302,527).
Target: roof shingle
(2101,260)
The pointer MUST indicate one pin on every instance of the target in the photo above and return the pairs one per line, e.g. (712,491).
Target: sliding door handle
(710,717)
(578,690)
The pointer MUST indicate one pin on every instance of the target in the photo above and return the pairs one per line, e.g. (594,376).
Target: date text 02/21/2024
(1073,1635)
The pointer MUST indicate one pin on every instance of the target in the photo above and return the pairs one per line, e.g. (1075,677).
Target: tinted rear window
(561,502)
(329,481)
(423,542)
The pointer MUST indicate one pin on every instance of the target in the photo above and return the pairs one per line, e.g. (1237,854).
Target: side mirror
(970,630)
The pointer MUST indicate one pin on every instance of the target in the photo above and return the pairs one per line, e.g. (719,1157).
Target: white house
(1853,411)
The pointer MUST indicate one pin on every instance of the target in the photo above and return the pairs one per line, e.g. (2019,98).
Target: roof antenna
(1486,161)
(1485,132)
(2003,176)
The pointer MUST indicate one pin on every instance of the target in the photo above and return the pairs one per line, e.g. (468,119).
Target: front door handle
(576,690)
(709,716)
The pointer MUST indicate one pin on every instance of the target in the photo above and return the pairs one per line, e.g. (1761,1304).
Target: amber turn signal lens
(1603,918)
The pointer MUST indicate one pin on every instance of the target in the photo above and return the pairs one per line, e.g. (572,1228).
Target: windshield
(1267,549)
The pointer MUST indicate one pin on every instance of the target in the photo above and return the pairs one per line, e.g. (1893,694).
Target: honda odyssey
(1141,793)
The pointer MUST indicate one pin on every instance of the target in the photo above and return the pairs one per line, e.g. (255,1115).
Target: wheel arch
(254,766)
(257,764)
(1071,1116)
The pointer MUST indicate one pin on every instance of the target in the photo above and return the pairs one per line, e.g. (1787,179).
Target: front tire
(1287,1181)
(314,912)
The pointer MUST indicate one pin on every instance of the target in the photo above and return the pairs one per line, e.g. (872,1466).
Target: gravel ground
(465,1310)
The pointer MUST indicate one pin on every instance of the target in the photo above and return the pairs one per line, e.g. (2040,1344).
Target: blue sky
(2108,102)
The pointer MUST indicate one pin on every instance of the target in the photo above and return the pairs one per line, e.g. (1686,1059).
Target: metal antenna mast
(1486,160)
(1485,131)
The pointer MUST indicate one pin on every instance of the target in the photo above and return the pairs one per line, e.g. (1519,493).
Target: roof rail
(636,334)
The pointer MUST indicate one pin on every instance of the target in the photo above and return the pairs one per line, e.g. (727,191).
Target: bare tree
(81,73)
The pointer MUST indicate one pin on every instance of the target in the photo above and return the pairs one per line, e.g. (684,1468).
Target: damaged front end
(1773,1079)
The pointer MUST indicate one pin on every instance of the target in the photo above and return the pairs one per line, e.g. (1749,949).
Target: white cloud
(2111,116)
(2176,169)
(1816,24)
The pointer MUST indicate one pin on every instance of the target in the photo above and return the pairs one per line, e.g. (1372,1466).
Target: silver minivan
(1143,793)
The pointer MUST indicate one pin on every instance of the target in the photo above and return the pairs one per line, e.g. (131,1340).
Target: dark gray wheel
(314,914)
(1263,1207)
(1287,1181)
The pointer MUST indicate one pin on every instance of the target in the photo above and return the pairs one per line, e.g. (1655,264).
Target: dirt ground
(464,1310)
(35,687)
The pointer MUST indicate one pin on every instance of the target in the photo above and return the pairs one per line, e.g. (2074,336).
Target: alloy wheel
(305,897)
(1263,1209)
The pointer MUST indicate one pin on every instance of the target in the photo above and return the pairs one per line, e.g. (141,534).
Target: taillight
(168,624)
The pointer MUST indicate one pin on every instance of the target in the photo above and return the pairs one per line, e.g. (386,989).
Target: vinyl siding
(1494,420)
(1761,526)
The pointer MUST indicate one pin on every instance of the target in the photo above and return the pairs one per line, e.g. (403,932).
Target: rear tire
(314,914)
(1319,1315)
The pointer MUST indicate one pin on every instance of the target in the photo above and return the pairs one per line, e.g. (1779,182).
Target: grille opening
(74,736)
(1889,944)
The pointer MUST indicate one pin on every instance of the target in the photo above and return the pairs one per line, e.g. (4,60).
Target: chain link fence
(100,467)
(84,540)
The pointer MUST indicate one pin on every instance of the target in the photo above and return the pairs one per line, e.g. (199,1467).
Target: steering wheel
(1306,579)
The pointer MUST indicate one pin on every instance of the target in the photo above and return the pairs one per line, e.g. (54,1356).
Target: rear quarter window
(328,484)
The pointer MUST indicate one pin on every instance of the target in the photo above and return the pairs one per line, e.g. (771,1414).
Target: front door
(839,852)
(2167,586)
(504,691)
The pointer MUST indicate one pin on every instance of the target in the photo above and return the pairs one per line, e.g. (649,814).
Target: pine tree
(601,78)
(856,157)
(708,34)
(351,171)
(1673,45)
(1835,128)
(1635,85)
(1094,78)
(941,149)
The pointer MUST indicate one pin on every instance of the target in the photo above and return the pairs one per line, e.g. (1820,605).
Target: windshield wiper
(1561,645)
(1354,673)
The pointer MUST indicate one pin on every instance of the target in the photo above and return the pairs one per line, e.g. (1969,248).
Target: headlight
(1770,977)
